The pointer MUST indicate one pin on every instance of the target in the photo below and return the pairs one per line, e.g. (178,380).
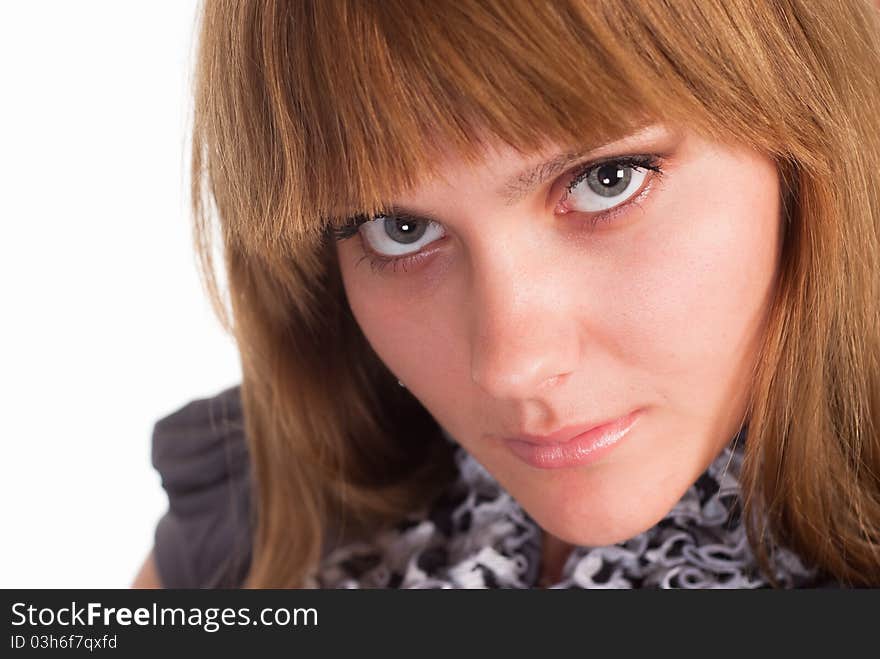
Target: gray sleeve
(204,538)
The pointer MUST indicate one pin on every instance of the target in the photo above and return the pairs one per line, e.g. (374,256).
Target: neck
(554,553)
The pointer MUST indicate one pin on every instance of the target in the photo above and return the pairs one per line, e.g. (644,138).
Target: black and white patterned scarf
(475,535)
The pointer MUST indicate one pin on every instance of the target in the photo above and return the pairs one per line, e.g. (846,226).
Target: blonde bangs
(364,99)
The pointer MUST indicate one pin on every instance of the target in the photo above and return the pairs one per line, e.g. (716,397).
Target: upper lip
(567,432)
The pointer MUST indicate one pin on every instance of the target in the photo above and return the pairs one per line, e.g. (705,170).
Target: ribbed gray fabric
(204,539)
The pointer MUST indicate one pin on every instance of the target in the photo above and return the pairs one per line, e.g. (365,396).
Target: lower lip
(578,451)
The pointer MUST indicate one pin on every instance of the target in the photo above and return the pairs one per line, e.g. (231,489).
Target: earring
(401,384)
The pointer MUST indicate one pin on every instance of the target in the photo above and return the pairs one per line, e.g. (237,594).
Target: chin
(586,522)
(593,537)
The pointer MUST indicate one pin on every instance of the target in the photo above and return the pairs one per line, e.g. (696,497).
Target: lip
(568,448)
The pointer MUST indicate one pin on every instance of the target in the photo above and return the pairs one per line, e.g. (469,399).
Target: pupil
(404,230)
(609,174)
(610,180)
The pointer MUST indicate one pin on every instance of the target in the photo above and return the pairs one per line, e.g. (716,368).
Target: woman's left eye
(598,188)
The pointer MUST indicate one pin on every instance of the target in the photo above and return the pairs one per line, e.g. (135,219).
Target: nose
(523,336)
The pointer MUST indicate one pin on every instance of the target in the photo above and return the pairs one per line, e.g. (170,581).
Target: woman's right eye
(394,236)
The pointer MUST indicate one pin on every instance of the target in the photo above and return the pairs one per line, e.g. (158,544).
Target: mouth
(570,448)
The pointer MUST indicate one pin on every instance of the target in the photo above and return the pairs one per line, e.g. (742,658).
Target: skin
(523,319)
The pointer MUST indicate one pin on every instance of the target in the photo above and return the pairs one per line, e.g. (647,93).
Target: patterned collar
(475,535)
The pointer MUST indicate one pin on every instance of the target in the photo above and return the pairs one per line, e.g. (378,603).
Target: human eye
(602,190)
(392,238)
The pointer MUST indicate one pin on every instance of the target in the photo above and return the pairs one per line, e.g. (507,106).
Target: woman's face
(521,316)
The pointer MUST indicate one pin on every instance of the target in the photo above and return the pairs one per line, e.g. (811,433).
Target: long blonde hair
(306,112)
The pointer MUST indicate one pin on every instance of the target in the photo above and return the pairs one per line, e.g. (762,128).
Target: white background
(105,327)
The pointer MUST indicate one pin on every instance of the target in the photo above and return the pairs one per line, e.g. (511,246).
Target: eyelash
(378,262)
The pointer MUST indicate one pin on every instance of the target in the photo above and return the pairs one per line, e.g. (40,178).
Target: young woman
(622,257)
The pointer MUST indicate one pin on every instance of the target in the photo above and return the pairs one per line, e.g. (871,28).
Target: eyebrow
(523,183)
(526,181)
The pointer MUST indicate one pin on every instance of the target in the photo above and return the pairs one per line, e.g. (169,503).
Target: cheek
(391,314)
(701,278)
